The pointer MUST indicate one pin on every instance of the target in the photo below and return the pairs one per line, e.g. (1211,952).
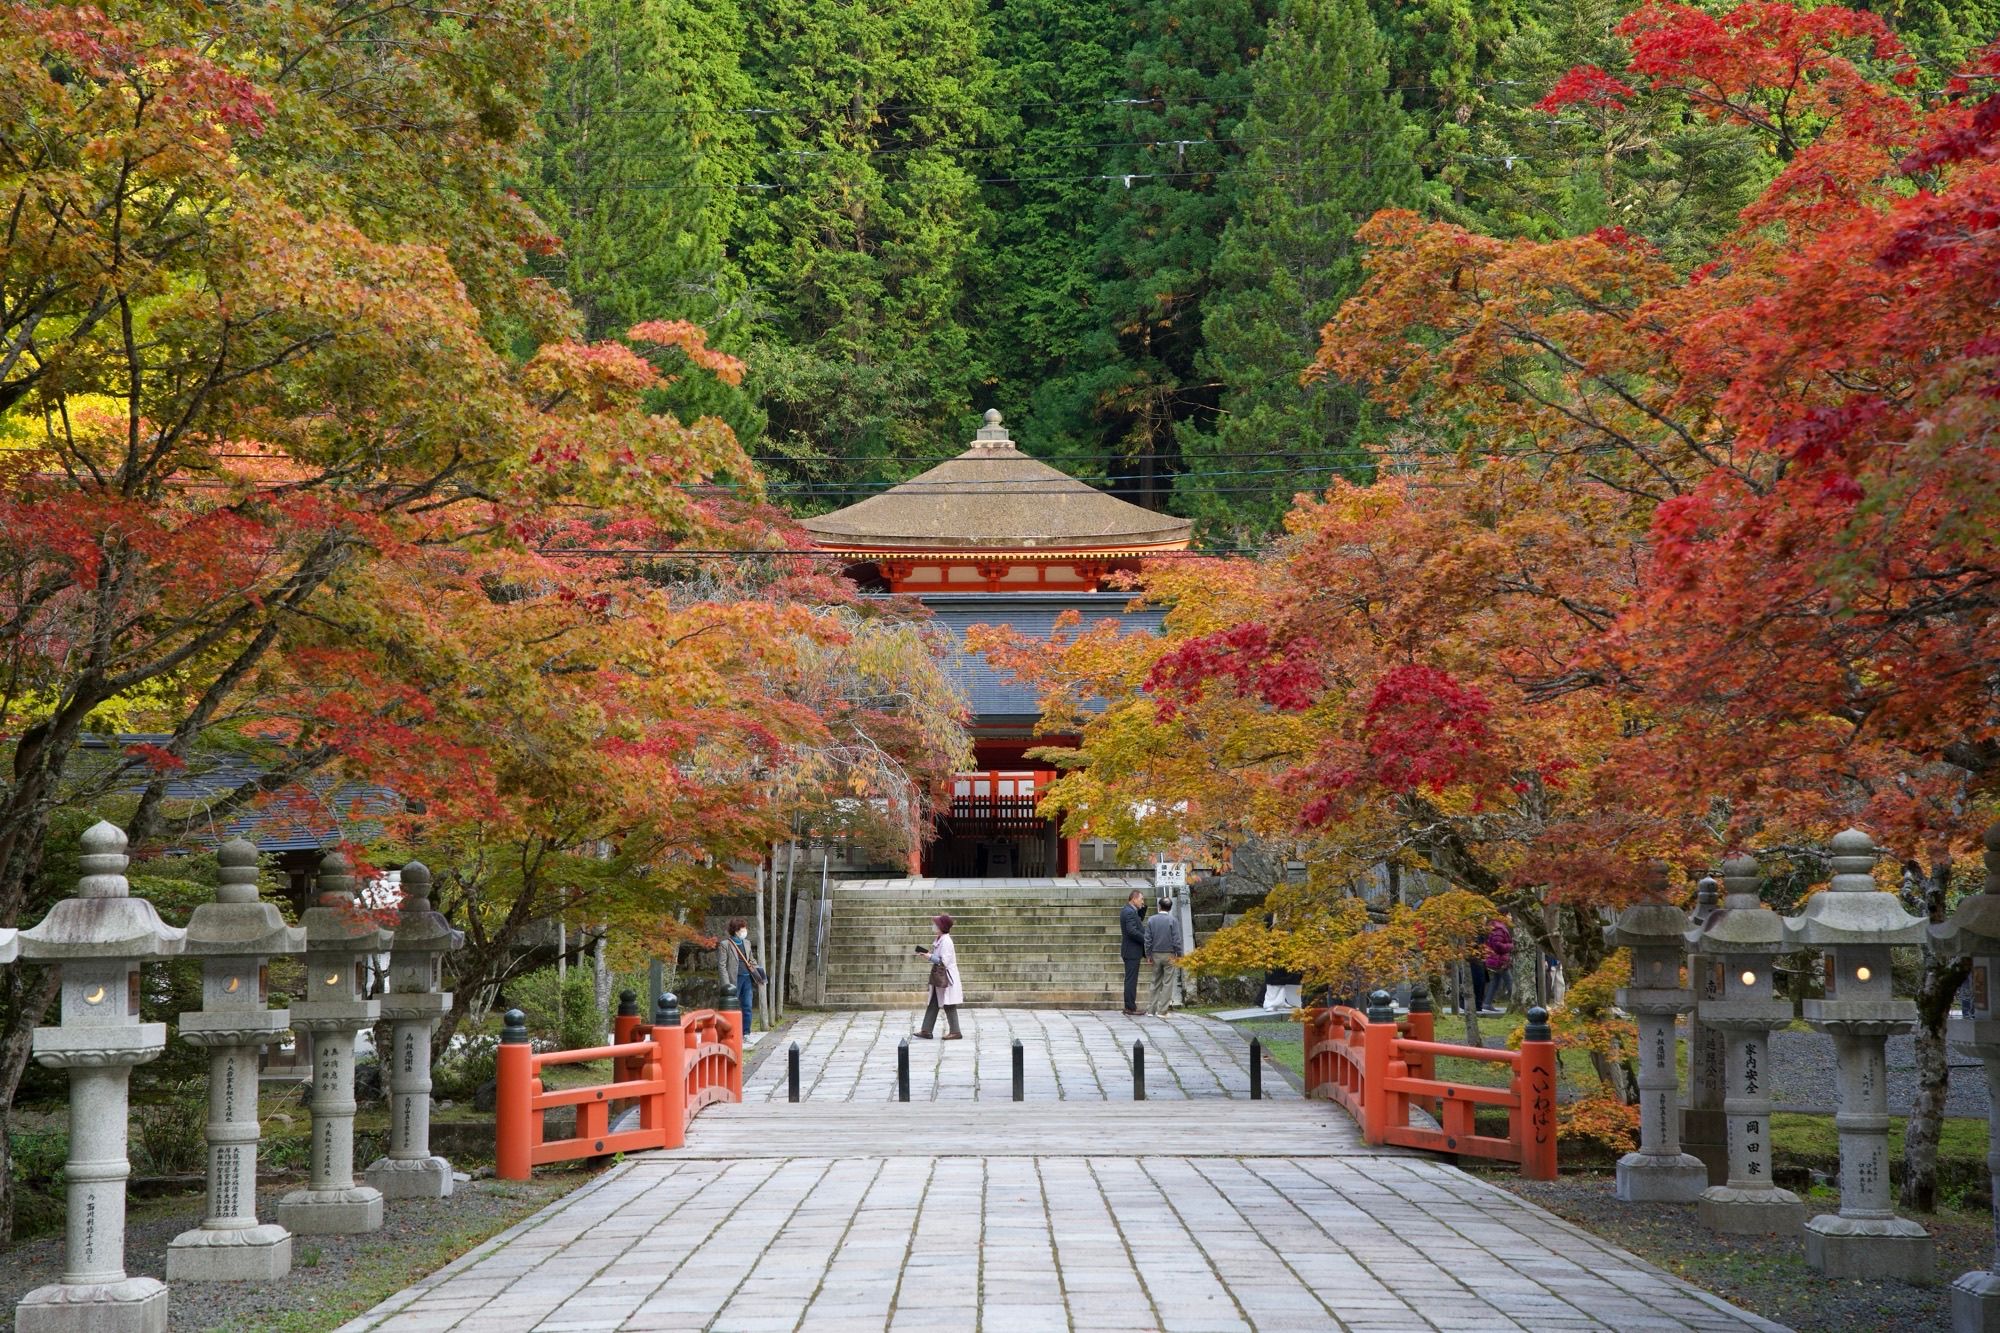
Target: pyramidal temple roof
(994,497)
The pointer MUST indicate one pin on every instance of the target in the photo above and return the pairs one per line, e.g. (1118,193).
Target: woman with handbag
(740,972)
(945,988)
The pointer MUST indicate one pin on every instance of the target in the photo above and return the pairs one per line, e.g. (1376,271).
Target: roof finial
(992,435)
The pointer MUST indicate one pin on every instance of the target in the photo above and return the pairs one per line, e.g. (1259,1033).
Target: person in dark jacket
(1132,945)
(1163,951)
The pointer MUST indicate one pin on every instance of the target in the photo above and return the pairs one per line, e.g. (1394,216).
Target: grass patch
(1963,1139)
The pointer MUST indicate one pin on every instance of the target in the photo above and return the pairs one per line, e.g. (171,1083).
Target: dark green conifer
(1326,146)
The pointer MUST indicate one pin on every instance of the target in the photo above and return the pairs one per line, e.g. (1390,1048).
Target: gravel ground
(1802,1077)
(333,1277)
(1766,1274)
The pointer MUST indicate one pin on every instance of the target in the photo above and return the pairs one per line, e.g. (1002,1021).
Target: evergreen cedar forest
(1588,413)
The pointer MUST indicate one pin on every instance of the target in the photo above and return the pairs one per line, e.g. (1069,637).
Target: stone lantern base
(135,1305)
(335,1212)
(1975,1303)
(1653,1178)
(411,1177)
(1869,1247)
(1736,1212)
(245,1254)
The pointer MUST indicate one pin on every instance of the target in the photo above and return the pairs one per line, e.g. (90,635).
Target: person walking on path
(1132,945)
(1496,956)
(1163,951)
(945,988)
(740,973)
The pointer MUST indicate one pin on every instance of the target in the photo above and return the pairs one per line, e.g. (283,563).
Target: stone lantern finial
(104,862)
(335,880)
(1744,881)
(237,882)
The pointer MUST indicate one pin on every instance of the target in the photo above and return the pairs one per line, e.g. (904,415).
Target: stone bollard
(1703,1129)
(1656,933)
(339,938)
(234,935)
(415,1003)
(1738,945)
(1974,932)
(98,938)
(1857,924)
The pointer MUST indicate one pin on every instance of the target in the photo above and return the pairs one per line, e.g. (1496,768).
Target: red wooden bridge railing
(669,1069)
(1379,1067)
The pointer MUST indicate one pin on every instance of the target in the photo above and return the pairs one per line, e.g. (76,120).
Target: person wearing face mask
(740,972)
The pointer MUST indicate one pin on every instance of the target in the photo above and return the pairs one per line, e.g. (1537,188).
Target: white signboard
(1170,874)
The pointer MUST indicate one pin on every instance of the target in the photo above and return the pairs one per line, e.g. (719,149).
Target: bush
(39,1159)
(473,1061)
(172,1131)
(1600,1121)
(560,1013)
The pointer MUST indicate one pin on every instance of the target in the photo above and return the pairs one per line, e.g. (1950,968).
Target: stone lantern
(1738,945)
(1702,1129)
(98,939)
(1656,933)
(1857,924)
(10,945)
(234,935)
(340,936)
(416,1001)
(1974,932)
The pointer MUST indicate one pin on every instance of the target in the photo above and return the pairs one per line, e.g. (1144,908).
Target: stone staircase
(1020,942)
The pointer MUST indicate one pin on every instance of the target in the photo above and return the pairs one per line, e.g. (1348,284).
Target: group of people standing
(1154,941)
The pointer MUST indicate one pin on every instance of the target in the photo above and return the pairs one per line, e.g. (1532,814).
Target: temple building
(995,537)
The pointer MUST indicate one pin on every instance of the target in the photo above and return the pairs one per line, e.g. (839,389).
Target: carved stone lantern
(415,1002)
(1857,924)
(1702,1126)
(1656,933)
(340,936)
(234,936)
(98,939)
(1738,945)
(1974,932)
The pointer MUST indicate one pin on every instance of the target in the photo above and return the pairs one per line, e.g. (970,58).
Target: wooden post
(1535,1082)
(514,1077)
(1378,1041)
(670,1054)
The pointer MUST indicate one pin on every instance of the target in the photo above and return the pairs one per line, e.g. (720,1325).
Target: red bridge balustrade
(668,1069)
(1379,1067)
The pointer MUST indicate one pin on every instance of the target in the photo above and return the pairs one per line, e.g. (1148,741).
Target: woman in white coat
(943,954)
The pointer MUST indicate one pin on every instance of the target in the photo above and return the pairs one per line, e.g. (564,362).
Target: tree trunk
(1935,993)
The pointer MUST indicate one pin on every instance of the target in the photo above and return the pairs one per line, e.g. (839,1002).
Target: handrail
(670,1069)
(1380,1068)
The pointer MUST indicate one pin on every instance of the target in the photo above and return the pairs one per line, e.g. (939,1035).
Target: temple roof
(994,497)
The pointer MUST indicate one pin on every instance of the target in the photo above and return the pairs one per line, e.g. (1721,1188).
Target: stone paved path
(847,1212)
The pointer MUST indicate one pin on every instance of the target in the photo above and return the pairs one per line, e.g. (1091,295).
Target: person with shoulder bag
(740,972)
(946,992)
